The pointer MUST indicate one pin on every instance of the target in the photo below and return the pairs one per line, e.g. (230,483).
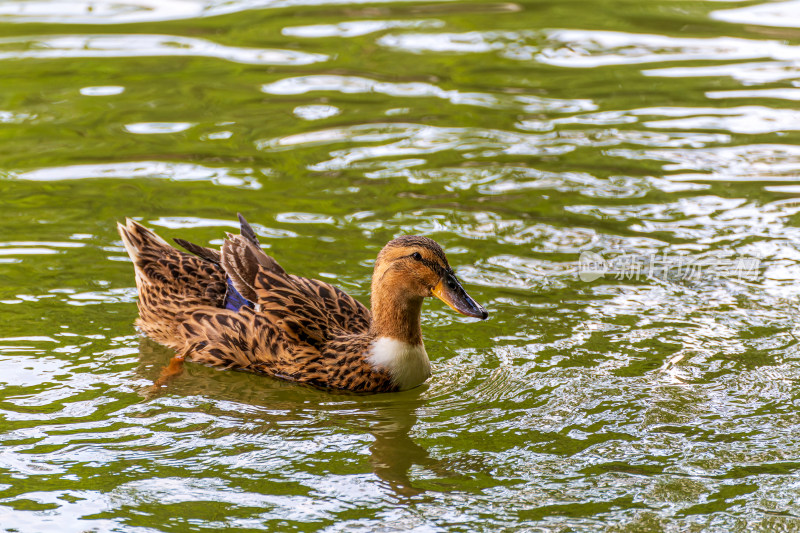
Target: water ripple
(358,85)
(779,14)
(120,46)
(589,49)
(522,138)
(754,162)
(144,170)
(356,28)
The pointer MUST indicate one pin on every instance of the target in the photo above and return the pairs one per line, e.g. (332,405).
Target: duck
(237,308)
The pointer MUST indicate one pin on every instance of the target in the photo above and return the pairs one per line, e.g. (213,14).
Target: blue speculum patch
(234,300)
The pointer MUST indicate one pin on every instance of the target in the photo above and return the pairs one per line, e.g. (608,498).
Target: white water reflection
(98,11)
(746,73)
(778,94)
(589,49)
(27,251)
(9,117)
(742,119)
(304,218)
(356,28)
(108,296)
(359,85)
(199,222)
(156,128)
(778,14)
(87,46)
(410,141)
(144,170)
(134,11)
(755,162)
(419,140)
(102,90)
(471,42)
(316,112)
(357,133)
(745,119)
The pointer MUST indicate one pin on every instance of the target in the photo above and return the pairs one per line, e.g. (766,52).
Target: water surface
(520,135)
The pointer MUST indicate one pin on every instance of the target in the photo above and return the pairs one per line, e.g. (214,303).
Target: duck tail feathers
(138,239)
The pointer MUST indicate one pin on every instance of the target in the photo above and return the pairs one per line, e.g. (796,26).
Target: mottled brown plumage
(293,328)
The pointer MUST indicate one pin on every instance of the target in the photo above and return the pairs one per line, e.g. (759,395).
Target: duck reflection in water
(394,452)
(389,420)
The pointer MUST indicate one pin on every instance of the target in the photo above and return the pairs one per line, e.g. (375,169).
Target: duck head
(408,270)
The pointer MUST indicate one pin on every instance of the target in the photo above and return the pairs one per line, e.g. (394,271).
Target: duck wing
(209,254)
(249,341)
(346,312)
(234,299)
(262,280)
(276,295)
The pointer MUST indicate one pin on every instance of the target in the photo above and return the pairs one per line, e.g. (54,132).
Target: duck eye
(416,256)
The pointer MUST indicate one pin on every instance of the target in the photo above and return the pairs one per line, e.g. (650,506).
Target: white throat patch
(408,364)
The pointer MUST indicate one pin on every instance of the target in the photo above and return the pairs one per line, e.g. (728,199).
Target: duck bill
(450,291)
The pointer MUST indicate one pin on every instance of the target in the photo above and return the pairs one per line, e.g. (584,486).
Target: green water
(518,135)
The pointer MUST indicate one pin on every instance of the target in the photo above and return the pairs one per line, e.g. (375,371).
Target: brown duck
(238,308)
